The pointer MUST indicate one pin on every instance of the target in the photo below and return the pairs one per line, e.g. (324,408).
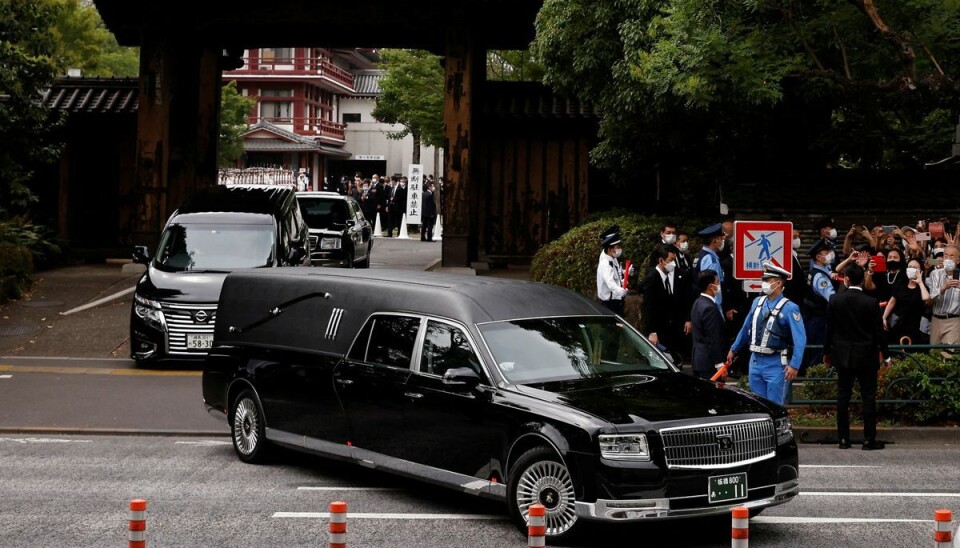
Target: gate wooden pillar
(177,130)
(465,67)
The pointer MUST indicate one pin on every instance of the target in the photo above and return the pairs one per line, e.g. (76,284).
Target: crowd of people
(384,198)
(692,307)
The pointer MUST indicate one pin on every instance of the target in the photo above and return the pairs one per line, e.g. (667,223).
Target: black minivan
(214,232)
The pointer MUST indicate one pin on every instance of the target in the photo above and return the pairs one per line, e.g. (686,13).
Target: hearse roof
(266,200)
(265,306)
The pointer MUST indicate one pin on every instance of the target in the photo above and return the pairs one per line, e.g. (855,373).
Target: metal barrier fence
(903,351)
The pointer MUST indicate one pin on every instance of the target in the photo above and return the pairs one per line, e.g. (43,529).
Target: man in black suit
(666,301)
(398,206)
(853,346)
(707,324)
(428,214)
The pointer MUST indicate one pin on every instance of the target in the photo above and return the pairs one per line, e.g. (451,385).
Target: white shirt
(609,278)
(664,276)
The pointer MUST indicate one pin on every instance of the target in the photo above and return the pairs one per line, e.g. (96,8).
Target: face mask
(949,265)
(366,188)
(833,234)
(671,266)
(796,243)
(723,243)
(893,265)
(830,257)
(766,287)
(670,239)
(684,246)
(911,273)
(617,253)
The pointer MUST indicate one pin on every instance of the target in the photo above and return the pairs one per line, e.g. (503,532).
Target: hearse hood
(186,287)
(657,397)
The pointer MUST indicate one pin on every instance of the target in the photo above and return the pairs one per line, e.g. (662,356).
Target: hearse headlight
(330,243)
(148,310)
(784,430)
(624,447)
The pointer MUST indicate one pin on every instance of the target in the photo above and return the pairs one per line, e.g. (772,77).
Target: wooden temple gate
(516,156)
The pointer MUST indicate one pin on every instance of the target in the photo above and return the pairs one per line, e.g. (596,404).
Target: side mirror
(141,255)
(351,222)
(461,377)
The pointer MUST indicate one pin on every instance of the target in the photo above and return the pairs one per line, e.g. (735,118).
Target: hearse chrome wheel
(545,480)
(248,429)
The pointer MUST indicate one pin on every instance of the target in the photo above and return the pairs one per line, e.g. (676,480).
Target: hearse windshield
(544,350)
(206,247)
(323,212)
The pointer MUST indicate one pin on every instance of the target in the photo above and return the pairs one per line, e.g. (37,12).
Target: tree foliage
(728,87)
(28,65)
(234,109)
(84,42)
(513,66)
(412,96)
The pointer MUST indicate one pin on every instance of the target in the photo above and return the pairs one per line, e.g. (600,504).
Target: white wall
(370,138)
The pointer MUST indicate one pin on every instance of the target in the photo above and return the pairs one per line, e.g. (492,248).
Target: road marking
(352,515)
(6,376)
(877,494)
(837,466)
(204,442)
(347,489)
(799,520)
(97,371)
(98,302)
(42,440)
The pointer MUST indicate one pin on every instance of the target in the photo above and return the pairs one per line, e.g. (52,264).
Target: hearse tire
(539,476)
(248,430)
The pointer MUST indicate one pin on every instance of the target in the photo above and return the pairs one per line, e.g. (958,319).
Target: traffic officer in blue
(773,331)
(713,242)
(820,289)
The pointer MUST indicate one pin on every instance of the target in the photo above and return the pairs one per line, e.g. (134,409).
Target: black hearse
(217,230)
(520,391)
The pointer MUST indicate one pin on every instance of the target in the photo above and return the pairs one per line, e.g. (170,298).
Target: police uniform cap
(712,230)
(819,246)
(610,237)
(823,222)
(771,270)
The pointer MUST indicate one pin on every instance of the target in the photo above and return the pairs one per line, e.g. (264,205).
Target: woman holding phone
(901,317)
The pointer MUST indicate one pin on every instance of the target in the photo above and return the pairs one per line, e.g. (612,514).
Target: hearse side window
(359,351)
(446,347)
(392,339)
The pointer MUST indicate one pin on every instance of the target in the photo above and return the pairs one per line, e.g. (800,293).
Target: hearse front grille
(719,445)
(186,318)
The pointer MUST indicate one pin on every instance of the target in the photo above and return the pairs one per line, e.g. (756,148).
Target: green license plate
(724,488)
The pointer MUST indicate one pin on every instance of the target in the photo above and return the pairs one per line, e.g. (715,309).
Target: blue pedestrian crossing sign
(756,242)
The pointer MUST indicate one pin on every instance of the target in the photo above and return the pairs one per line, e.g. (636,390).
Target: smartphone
(923,236)
(889,228)
(936,230)
(880,263)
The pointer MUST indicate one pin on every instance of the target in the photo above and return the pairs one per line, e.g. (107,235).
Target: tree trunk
(416,146)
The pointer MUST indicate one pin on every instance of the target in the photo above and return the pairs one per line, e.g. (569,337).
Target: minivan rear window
(186,247)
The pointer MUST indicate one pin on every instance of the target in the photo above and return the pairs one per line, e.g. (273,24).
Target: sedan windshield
(215,247)
(562,349)
(322,213)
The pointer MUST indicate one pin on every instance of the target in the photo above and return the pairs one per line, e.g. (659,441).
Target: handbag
(893,321)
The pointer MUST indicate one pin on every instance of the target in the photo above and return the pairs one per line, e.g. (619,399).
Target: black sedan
(518,391)
(339,233)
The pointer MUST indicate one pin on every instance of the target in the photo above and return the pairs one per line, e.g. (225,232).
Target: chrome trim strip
(709,424)
(371,459)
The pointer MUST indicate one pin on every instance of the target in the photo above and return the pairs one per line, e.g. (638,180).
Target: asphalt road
(75,490)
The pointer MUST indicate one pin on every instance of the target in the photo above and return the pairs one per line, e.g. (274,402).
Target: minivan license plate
(197,342)
(724,488)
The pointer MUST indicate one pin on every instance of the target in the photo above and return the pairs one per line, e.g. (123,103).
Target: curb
(946,435)
(51,430)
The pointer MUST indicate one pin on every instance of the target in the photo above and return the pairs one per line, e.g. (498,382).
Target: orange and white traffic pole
(740,533)
(537,526)
(338,524)
(138,523)
(943,532)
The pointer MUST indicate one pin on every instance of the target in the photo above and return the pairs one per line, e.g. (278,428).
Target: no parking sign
(756,242)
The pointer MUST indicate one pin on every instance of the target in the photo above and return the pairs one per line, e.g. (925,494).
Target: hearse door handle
(344,382)
(414,395)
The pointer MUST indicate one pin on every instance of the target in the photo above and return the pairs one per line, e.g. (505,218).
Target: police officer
(714,241)
(771,329)
(610,288)
(820,289)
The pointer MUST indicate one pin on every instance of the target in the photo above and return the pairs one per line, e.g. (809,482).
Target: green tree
(86,43)
(513,66)
(28,65)
(728,87)
(412,96)
(234,109)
